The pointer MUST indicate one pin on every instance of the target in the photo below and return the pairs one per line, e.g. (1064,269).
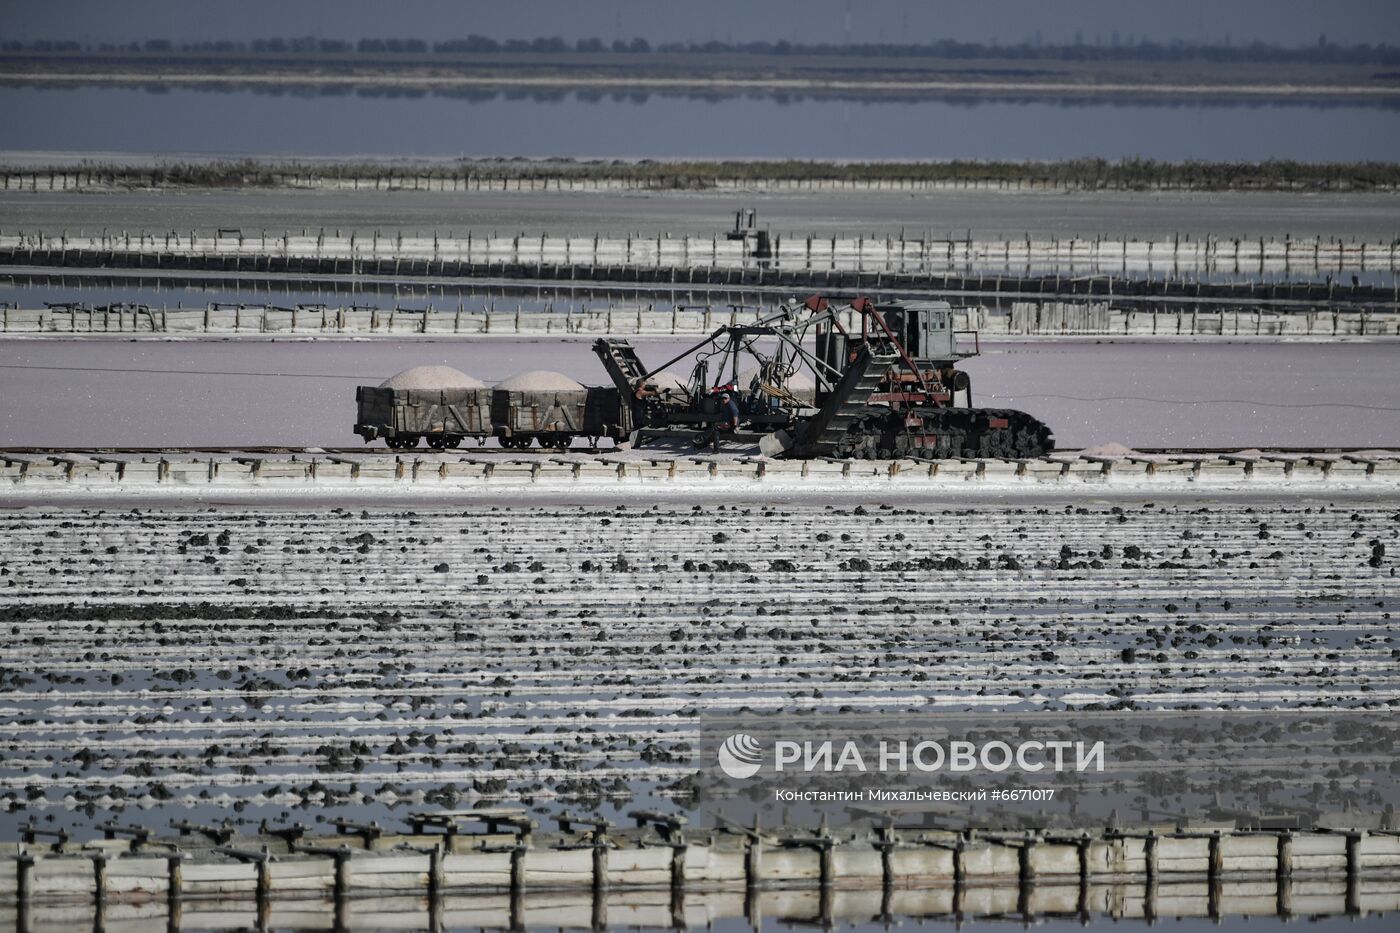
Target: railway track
(501,451)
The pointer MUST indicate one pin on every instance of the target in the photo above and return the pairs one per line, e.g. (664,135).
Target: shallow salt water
(226,393)
(628,124)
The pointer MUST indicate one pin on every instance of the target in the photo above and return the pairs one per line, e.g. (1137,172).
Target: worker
(729,418)
(730,409)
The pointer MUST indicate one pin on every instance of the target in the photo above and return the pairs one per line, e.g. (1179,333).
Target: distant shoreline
(839,86)
(107,171)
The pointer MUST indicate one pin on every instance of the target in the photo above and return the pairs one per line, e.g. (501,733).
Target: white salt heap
(667,380)
(432,378)
(538,380)
(800,384)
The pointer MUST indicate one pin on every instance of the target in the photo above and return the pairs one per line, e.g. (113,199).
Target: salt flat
(959,213)
(248,661)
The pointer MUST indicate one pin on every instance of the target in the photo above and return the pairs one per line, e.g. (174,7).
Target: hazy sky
(1007,21)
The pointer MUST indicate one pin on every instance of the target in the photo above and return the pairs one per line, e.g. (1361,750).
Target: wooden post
(342,873)
(1353,893)
(517,870)
(753,855)
(1354,854)
(600,860)
(959,886)
(174,876)
(24,873)
(678,850)
(435,861)
(1284,868)
(517,896)
(99,877)
(827,852)
(264,892)
(677,907)
(1025,856)
(885,843)
(1083,900)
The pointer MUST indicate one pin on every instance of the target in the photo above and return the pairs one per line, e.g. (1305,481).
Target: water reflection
(405,90)
(39,291)
(406,120)
(1367,905)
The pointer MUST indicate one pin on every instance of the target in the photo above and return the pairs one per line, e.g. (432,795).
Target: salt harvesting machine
(883,384)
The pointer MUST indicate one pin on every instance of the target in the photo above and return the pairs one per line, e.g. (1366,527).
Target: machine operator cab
(925,328)
(926,331)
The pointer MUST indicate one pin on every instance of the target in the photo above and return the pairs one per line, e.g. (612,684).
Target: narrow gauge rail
(660,453)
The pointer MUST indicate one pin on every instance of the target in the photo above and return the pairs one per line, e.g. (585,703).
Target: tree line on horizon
(1084,174)
(1321,52)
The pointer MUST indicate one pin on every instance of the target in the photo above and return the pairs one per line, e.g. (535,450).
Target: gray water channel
(345,122)
(110,393)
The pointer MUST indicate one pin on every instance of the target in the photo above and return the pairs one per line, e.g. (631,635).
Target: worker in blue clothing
(730,409)
(729,418)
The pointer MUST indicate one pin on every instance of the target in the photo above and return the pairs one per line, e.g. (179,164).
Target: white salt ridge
(432,378)
(538,380)
(406,776)
(344,707)
(1111,450)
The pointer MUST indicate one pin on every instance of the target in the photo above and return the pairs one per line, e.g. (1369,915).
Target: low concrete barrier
(43,474)
(921,252)
(1022,319)
(702,909)
(374,860)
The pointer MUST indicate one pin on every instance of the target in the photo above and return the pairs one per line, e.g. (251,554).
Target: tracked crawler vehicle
(889,387)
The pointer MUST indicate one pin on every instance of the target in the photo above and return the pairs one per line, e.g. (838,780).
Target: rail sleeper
(275,472)
(142,472)
(187,472)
